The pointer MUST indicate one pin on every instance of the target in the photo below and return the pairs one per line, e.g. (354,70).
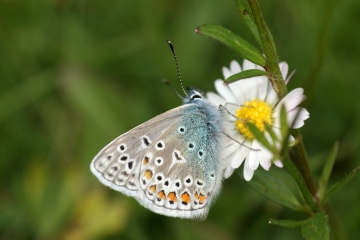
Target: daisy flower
(254,99)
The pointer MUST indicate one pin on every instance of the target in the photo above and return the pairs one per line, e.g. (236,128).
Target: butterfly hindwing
(170,163)
(180,173)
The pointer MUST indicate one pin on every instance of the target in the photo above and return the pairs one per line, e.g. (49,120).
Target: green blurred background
(76,74)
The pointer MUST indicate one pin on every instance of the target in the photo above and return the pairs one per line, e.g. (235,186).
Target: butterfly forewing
(119,161)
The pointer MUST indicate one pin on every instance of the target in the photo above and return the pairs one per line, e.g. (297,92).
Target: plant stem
(272,67)
(299,157)
(302,173)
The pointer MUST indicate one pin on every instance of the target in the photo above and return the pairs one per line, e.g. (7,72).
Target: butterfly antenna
(177,65)
(172,87)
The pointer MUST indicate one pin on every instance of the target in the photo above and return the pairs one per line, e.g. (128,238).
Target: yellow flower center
(256,112)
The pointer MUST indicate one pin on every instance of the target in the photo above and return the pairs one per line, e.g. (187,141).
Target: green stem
(272,67)
(294,172)
(299,157)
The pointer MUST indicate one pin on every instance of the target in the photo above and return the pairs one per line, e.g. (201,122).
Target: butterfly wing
(117,164)
(170,164)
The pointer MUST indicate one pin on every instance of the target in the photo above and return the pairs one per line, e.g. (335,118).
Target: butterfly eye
(182,130)
(196,96)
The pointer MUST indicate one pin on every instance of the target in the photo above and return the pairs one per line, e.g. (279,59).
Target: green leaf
(316,228)
(283,123)
(275,189)
(327,170)
(272,134)
(232,41)
(244,74)
(294,172)
(287,223)
(248,18)
(260,137)
(341,183)
(285,133)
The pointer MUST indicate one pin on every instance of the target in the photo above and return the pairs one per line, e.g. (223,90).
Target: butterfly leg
(239,119)
(241,144)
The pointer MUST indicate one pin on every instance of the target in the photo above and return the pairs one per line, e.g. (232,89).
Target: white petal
(253,156)
(262,87)
(234,67)
(291,140)
(230,149)
(265,160)
(239,157)
(224,91)
(228,172)
(226,72)
(216,99)
(271,97)
(248,173)
(236,87)
(301,117)
(238,90)
(292,99)
(284,68)
(289,77)
(248,65)
(276,122)
(278,163)
(248,89)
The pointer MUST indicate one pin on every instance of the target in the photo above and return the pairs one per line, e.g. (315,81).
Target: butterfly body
(171,164)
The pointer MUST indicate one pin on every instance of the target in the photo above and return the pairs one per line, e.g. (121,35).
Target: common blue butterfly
(172,163)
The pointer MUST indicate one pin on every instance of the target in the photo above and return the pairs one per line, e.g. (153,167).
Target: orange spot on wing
(148,174)
(152,188)
(185,198)
(172,197)
(161,195)
(145,160)
(201,199)
(196,195)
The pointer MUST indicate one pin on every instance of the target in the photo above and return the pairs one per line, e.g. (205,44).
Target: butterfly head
(193,95)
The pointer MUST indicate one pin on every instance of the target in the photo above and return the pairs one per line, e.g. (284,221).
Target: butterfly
(171,164)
